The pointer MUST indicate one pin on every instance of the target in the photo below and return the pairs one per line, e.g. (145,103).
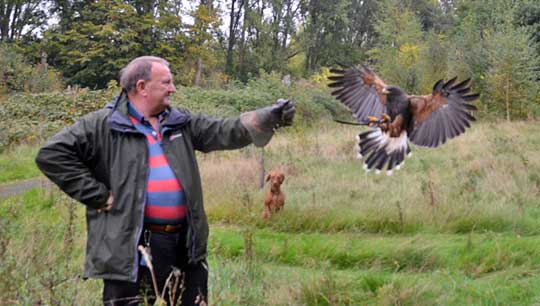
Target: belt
(163,228)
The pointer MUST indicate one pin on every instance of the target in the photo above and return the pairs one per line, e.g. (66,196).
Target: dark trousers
(188,286)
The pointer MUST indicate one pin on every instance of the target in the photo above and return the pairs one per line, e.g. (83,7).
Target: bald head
(138,69)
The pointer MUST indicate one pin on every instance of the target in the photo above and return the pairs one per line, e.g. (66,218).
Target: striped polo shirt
(165,198)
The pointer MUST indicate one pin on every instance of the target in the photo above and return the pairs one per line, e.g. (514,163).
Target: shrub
(17,75)
(35,117)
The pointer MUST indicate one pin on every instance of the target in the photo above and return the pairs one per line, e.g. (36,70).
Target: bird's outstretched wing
(360,90)
(442,115)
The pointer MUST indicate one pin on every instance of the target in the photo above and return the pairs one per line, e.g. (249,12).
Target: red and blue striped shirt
(165,197)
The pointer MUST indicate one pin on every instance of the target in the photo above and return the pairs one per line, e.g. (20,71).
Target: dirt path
(10,189)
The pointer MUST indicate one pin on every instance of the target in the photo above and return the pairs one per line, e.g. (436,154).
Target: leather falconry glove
(280,114)
(262,123)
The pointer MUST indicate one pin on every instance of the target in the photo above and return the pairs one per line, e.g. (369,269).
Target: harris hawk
(395,118)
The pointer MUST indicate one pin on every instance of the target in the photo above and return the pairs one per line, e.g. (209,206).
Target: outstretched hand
(284,110)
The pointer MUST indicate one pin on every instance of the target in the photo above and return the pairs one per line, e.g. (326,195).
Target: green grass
(474,254)
(42,243)
(458,225)
(237,282)
(18,163)
(485,180)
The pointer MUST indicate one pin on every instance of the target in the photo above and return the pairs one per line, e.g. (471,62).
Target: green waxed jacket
(103,152)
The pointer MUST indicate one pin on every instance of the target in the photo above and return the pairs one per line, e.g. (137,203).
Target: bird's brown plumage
(428,120)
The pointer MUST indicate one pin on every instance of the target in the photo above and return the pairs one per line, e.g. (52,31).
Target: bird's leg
(372,121)
(385,118)
(385,122)
(395,127)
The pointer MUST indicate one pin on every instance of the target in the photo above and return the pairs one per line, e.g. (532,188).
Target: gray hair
(138,69)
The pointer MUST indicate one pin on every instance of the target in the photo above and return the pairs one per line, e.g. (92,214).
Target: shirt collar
(140,118)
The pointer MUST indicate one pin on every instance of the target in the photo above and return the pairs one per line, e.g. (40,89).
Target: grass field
(458,225)
(18,163)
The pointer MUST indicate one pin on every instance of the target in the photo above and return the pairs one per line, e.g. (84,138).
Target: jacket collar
(119,117)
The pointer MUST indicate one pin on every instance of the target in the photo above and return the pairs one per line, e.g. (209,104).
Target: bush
(312,100)
(35,117)
(16,75)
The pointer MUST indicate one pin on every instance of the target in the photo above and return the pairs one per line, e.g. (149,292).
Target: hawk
(396,118)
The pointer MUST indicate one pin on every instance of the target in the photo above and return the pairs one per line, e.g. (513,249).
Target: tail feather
(382,151)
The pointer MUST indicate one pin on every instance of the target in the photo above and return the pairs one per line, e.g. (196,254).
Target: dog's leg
(266,212)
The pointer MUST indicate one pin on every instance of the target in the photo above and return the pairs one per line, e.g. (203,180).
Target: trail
(11,189)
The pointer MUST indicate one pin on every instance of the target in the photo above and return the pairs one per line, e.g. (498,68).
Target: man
(133,165)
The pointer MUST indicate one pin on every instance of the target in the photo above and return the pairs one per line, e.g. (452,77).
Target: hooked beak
(385,91)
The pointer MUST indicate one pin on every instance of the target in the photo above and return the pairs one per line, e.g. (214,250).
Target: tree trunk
(508,98)
(198,72)
(241,47)
(5,14)
(231,41)
(262,7)
(288,27)
(14,21)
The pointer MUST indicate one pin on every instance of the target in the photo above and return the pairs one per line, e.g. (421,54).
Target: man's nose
(172,88)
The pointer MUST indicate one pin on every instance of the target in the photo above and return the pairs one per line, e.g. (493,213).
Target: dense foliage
(18,75)
(35,117)
(219,45)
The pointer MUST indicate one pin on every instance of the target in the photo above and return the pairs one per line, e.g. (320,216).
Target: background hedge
(35,117)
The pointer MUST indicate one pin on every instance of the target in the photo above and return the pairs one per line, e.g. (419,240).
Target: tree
(18,75)
(514,64)
(528,15)
(337,32)
(433,15)
(104,35)
(19,17)
(397,53)
(234,22)
(202,58)
(93,50)
(492,44)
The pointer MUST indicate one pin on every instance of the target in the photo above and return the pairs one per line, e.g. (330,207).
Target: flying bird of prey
(395,118)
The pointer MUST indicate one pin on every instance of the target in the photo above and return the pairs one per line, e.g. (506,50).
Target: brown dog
(274,198)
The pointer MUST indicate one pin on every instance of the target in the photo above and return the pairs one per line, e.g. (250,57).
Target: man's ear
(140,86)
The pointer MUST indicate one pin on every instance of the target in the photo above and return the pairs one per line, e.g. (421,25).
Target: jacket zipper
(191,229)
(140,229)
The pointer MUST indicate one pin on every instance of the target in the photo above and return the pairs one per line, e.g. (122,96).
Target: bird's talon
(372,119)
(385,117)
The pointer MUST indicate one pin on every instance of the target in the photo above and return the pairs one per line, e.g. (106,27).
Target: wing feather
(464,91)
(462,85)
(360,90)
(442,115)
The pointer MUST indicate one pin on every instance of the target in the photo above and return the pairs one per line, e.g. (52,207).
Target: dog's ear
(268,177)
(282,177)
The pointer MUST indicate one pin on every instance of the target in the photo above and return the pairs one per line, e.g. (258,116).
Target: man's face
(159,88)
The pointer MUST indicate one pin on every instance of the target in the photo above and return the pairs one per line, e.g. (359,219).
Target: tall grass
(458,225)
(18,163)
(42,239)
(485,180)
